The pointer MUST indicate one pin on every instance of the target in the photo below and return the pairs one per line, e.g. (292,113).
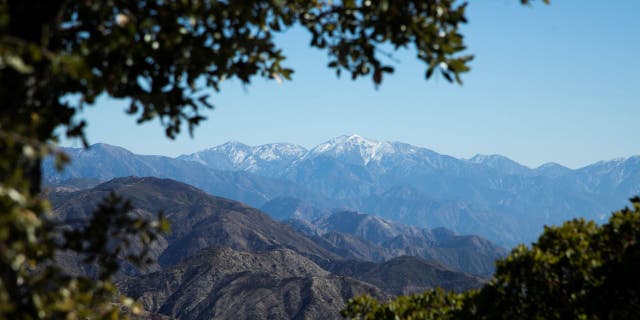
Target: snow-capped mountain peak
(353,148)
(236,151)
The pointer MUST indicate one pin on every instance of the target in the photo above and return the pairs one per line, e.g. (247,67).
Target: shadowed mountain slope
(367,237)
(199,220)
(226,260)
(407,275)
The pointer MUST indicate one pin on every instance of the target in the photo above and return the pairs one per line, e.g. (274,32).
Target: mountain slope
(104,162)
(407,275)
(468,253)
(410,206)
(226,260)
(221,283)
(268,159)
(283,208)
(501,164)
(199,220)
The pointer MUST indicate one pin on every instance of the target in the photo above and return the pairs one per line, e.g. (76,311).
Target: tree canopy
(58,56)
(578,270)
(157,53)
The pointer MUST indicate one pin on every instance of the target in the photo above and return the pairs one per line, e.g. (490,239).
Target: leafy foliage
(158,53)
(433,304)
(575,271)
(59,56)
(33,286)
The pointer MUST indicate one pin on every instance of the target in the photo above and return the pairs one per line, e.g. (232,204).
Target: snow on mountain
(622,174)
(352,148)
(273,159)
(274,151)
(268,159)
(500,163)
(489,195)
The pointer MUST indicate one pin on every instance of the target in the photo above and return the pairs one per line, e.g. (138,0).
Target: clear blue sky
(554,83)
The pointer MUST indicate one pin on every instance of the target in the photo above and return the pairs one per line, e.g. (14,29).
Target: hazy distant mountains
(103,162)
(491,196)
(371,238)
(226,260)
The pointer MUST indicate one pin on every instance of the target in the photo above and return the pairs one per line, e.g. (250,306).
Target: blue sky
(549,83)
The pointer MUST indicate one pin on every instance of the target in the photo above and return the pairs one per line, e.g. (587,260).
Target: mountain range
(102,162)
(372,238)
(488,195)
(226,260)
